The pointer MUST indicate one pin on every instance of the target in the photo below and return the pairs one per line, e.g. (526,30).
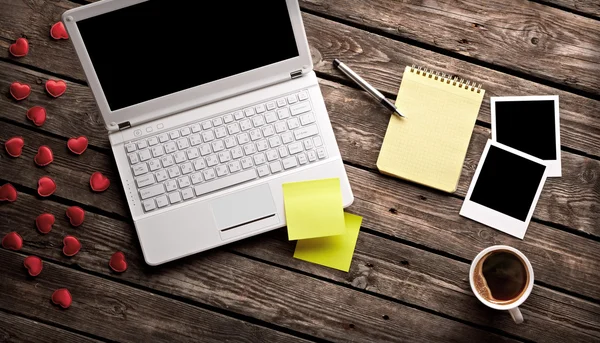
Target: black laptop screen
(160,47)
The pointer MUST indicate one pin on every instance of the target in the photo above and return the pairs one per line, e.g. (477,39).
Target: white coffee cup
(513,306)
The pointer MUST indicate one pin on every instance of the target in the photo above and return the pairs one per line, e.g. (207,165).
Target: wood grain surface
(587,7)
(14,329)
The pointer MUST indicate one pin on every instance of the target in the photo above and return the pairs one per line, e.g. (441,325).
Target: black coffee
(505,274)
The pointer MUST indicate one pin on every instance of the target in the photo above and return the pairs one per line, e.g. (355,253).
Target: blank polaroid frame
(515,131)
(508,191)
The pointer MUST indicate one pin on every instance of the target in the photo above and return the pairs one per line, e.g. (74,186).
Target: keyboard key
(295,148)
(283,113)
(130,147)
(162,201)
(221,170)
(154,164)
(249,112)
(308,144)
(224,156)
(187,193)
(152,141)
(272,155)
(217,121)
(234,166)
(196,128)
(243,138)
(174,134)
(228,118)
(233,128)
(226,181)
(281,102)
(259,159)
(183,181)
(246,162)
(237,152)
(255,134)
(287,137)
(270,117)
(186,168)
(220,132)
(300,108)
(179,157)
(302,158)
(321,153)
(144,180)
(268,131)
(308,118)
(280,127)
(263,170)
(230,142)
(161,175)
(163,137)
(212,160)
(133,158)
(218,145)
(318,141)
(205,149)
(196,178)
(157,150)
(245,124)
(192,153)
(293,123)
(289,162)
(171,185)
(271,105)
(283,152)
(258,121)
(170,147)
(140,169)
(274,141)
(306,132)
(312,156)
(275,167)
(183,144)
(208,174)
(174,197)
(208,136)
(167,161)
(199,164)
(142,144)
(173,171)
(152,191)
(148,205)
(303,95)
(185,131)
(259,108)
(206,125)
(262,145)
(238,115)
(292,99)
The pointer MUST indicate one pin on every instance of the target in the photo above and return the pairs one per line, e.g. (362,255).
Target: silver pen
(367,87)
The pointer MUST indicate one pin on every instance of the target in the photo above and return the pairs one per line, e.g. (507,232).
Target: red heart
(12,241)
(99,182)
(33,265)
(76,215)
(19,91)
(14,146)
(44,222)
(77,145)
(56,88)
(117,262)
(71,246)
(58,31)
(37,114)
(44,156)
(8,193)
(46,186)
(62,297)
(19,48)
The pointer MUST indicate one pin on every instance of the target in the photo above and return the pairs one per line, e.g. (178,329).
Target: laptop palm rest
(244,212)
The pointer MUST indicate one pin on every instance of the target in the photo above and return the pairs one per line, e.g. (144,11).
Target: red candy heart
(62,297)
(12,241)
(58,31)
(37,114)
(76,215)
(14,146)
(19,91)
(46,186)
(71,246)
(8,193)
(44,222)
(99,182)
(56,88)
(117,262)
(19,48)
(33,265)
(44,156)
(77,145)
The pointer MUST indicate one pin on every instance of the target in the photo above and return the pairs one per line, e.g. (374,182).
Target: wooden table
(409,276)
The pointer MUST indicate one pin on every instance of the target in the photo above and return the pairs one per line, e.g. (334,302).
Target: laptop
(209,110)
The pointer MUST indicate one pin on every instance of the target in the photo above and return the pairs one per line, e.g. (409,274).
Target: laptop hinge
(295,74)
(124,125)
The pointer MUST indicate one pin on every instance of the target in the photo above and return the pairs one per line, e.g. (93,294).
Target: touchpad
(244,211)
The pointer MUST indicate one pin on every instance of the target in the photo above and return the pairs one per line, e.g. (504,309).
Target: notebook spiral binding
(443,77)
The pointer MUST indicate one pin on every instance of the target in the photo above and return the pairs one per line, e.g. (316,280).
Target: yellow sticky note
(314,208)
(333,251)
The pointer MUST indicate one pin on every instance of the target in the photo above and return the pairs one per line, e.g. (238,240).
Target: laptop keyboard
(226,150)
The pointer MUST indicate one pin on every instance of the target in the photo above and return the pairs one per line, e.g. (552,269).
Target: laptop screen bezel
(191,97)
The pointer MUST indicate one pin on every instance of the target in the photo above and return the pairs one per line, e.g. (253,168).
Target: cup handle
(516,315)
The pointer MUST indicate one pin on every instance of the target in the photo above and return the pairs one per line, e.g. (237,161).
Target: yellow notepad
(429,145)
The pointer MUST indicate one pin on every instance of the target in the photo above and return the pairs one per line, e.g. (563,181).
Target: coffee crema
(501,277)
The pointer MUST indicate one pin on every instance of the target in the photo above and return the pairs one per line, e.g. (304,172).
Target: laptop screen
(159,47)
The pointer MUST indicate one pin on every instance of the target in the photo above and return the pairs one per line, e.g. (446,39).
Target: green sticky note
(334,251)
(314,208)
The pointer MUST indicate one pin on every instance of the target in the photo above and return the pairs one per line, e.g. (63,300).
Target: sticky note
(333,251)
(314,208)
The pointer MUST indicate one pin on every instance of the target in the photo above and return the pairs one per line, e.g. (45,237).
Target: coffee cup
(502,278)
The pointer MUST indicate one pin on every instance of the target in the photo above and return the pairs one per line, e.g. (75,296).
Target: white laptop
(209,110)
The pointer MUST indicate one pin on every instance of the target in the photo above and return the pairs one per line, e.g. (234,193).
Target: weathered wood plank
(15,329)
(589,7)
(220,279)
(118,312)
(439,214)
(380,60)
(520,35)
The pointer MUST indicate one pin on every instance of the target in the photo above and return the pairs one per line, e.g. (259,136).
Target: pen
(367,87)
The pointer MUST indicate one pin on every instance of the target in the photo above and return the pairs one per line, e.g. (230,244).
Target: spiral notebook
(429,145)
